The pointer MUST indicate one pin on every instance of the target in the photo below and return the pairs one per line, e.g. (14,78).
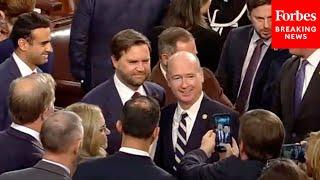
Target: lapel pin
(204,116)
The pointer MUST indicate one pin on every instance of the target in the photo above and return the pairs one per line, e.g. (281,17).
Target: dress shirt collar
(58,164)
(256,37)
(124,91)
(193,110)
(26,130)
(314,58)
(164,73)
(134,151)
(24,69)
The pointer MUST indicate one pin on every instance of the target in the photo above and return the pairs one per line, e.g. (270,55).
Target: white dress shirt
(24,69)
(164,73)
(134,151)
(26,130)
(58,164)
(250,51)
(124,91)
(190,120)
(313,60)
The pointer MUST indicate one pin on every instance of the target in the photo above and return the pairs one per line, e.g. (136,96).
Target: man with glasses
(248,65)
(184,123)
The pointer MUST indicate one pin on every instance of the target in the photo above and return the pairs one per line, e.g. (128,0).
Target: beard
(130,79)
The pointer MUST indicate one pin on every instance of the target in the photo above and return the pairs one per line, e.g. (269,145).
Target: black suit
(230,68)
(41,171)
(193,167)
(307,119)
(95,23)
(121,166)
(165,152)
(18,150)
(108,99)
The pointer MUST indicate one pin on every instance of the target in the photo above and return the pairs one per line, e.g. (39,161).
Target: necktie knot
(304,63)
(184,115)
(135,95)
(260,42)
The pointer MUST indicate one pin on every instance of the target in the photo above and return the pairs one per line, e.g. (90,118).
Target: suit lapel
(14,69)
(115,100)
(51,168)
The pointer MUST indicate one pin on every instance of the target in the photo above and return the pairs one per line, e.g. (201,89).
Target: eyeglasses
(104,129)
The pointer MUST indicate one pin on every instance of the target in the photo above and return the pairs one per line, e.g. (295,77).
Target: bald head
(181,59)
(30,96)
(60,131)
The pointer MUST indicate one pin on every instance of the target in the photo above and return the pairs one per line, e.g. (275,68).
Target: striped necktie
(181,139)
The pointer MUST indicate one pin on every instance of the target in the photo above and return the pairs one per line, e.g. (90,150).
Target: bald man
(191,113)
(31,100)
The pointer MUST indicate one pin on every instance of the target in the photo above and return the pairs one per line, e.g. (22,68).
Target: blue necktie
(300,75)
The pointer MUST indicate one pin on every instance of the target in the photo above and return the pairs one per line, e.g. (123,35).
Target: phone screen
(294,152)
(222,126)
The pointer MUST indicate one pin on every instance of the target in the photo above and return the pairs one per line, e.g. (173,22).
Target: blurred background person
(95,131)
(190,15)
(313,155)
(284,169)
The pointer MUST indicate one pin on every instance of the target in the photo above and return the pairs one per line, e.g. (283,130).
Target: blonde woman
(313,155)
(95,130)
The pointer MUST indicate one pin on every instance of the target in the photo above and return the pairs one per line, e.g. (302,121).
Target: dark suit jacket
(308,117)
(193,167)
(121,166)
(164,156)
(7,48)
(210,85)
(19,150)
(9,71)
(208,44)
(41,171)
(108,99)
(96,22)
(230,68)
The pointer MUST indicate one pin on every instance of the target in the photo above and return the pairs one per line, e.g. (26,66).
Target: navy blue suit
(108,99)
(7,48)
(121,166)
(164,156)
(18,150)
(9,71)
(96,22)
(230,68)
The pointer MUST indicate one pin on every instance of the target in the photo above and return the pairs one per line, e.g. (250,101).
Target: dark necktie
(248,78)
(135,95)
(181,139)
(300,75)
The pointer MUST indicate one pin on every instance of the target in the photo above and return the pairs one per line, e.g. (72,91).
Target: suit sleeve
(79,38)
(193,166)
(276,98)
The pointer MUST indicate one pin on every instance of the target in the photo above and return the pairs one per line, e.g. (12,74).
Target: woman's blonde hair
(313,154)
(89,114)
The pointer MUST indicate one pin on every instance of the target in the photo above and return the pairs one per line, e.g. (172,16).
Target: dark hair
(140,116)
(125,39)
(251,4)
(24,25)
(60,130)
(168,39)
(185,14)
(30,96)
(13,8)
(282,169)
(262,134)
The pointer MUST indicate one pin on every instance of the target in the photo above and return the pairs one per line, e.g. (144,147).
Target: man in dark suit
(138,125)
(248,65)
(61,135)
(257,145)
(31,38)
(31,101)
(184,123)
(176,39)
(94,25)
(131,59)
(296,99)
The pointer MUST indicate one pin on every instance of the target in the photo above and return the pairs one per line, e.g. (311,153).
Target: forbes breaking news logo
(295,24)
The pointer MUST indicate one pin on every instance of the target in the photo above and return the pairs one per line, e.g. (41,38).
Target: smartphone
(221,123)
(294,152)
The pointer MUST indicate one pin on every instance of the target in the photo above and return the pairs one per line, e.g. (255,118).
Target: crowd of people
(151,106)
